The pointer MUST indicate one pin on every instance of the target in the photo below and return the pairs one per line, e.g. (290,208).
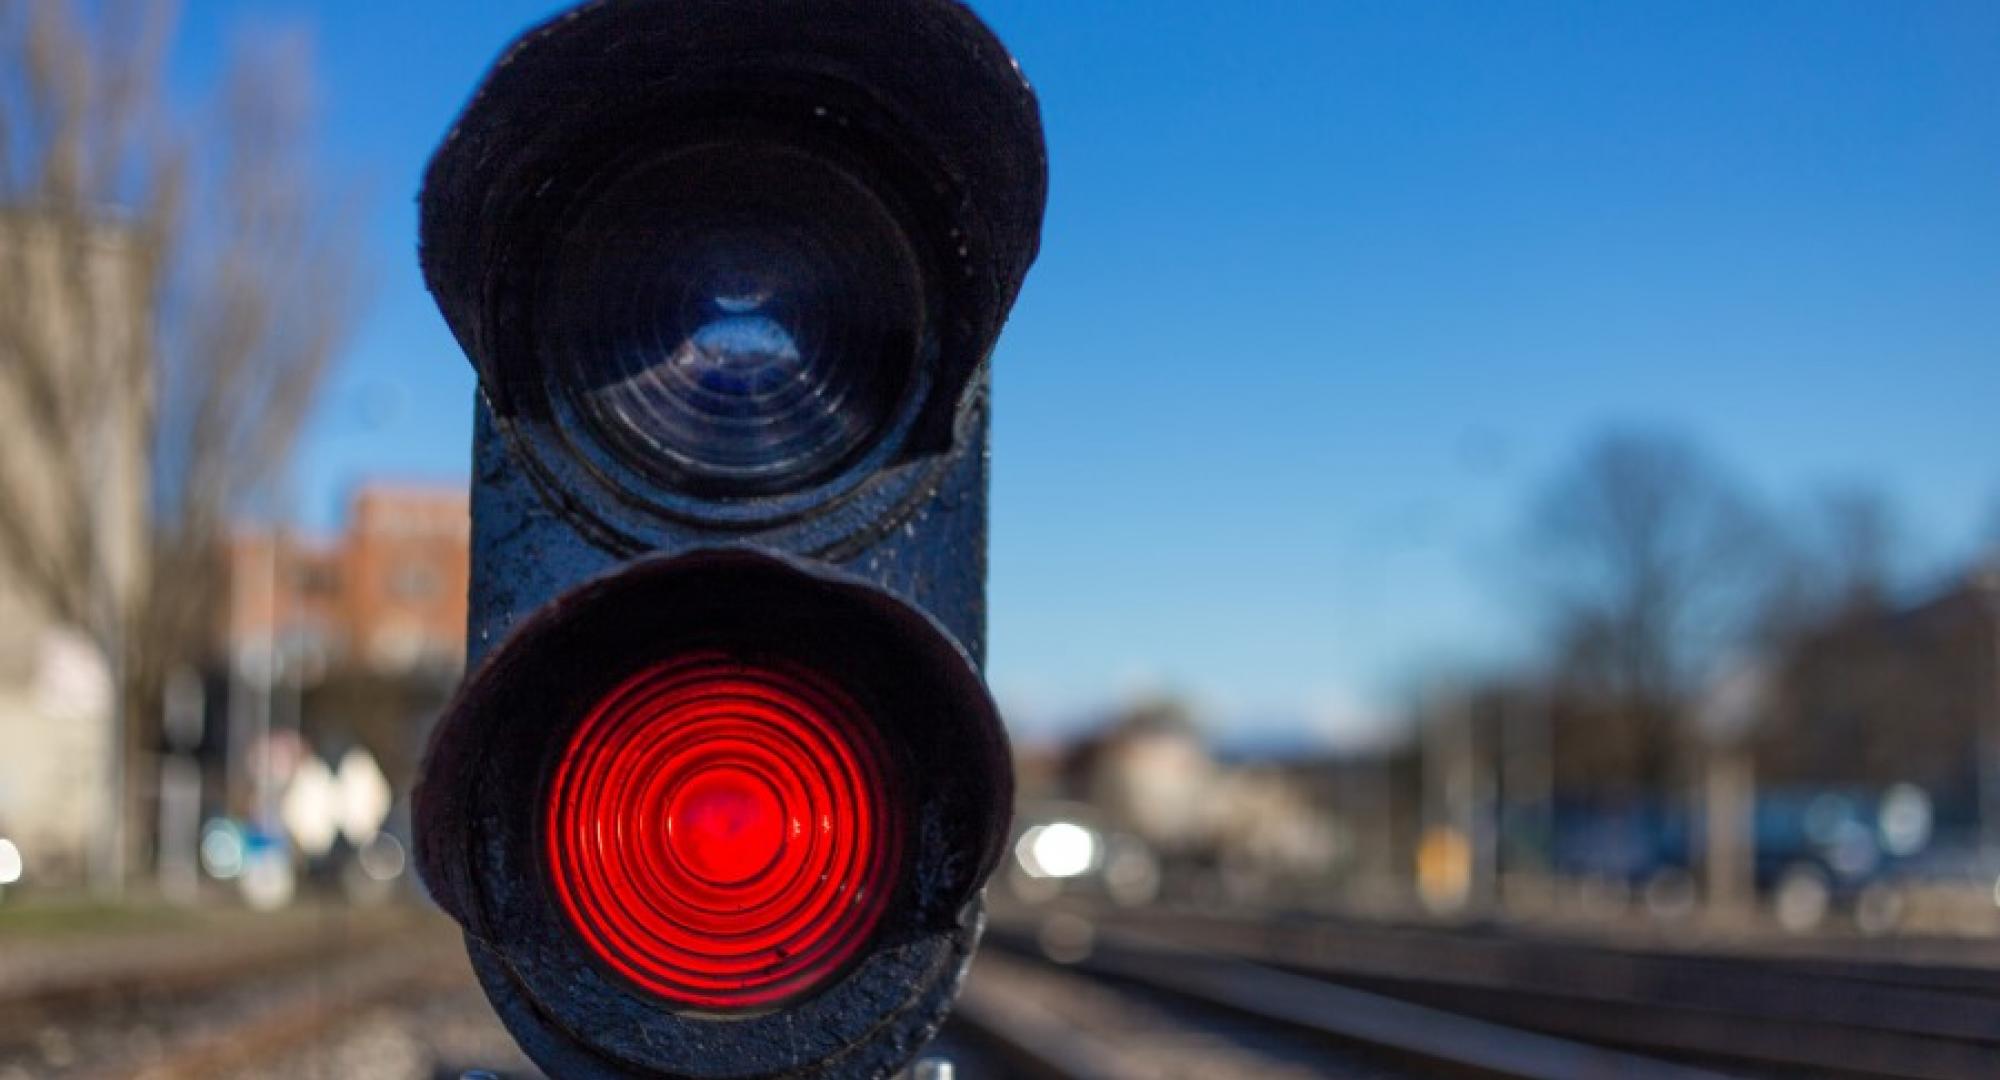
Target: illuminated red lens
(722,834)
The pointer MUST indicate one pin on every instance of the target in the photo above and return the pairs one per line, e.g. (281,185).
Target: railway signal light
(722,791)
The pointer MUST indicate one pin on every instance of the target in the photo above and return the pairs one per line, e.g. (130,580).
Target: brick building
(1910,695)
(402,578)
(387,595)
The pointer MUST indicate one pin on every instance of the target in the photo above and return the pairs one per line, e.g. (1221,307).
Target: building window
(413,582)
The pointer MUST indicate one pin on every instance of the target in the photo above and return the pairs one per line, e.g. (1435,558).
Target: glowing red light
(727,825)
(721,833)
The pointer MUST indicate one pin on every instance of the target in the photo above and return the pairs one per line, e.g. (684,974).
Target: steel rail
(1326,1010)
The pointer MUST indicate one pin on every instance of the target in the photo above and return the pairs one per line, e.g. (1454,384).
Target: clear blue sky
(1328,288)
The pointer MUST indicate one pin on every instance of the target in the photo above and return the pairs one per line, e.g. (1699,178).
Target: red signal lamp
(725,833)
(726,805)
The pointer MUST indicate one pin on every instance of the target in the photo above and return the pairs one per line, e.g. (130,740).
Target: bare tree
(1650,565)
(171,292)
(1858,533)
(1990,542)
(1839,561)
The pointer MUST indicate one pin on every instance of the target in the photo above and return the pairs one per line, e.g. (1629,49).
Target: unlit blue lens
(735,321)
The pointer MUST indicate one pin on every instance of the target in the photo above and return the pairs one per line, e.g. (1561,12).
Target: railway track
(1502,1005)
(1271,1023)
(213,1004)
(1032,1021)
(1155,995)
(1755,1008)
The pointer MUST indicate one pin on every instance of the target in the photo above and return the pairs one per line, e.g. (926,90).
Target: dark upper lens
(734,320)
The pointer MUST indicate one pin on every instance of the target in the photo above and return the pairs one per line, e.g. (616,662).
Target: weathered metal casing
(576,568)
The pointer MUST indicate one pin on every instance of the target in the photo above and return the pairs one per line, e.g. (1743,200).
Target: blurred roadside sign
(1735,703)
